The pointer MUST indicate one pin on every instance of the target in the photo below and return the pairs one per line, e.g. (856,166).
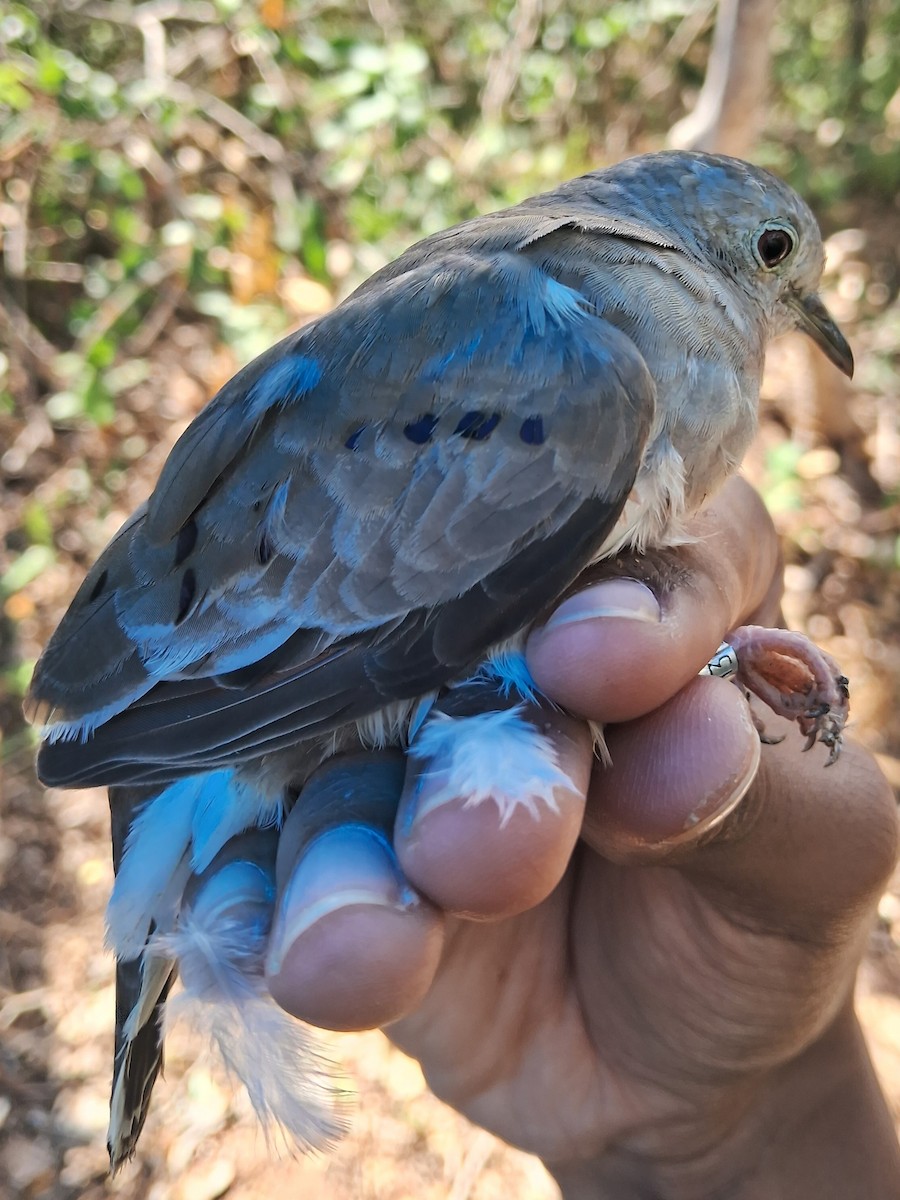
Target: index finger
(620,647)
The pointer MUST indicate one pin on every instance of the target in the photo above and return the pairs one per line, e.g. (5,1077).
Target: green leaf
(30,563)
(36,523)
(13,93)
(50,74)
(98,403)
(17,679)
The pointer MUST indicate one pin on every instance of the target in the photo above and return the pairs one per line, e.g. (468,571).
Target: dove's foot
(795,678)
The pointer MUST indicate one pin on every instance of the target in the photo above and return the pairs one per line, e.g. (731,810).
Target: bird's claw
(820,724)
(793,677)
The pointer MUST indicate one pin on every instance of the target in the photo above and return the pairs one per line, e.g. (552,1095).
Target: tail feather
(140,1002)
(142,985)
(220,944)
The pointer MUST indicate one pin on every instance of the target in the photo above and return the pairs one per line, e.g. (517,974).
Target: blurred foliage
(189,157)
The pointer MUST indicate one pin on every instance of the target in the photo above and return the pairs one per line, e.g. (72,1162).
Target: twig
(481,1147)
(57,272)
(658,76)
(118,302)
(258,142)
(15,240)
(41,353)
(20,1003)
(154,34)
(212,47)
(503,71)
(156,319)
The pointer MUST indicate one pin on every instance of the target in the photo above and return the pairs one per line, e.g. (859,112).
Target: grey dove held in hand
(372,507)
(365,509)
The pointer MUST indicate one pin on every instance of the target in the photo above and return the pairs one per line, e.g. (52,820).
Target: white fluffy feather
(220,946)
(497,756)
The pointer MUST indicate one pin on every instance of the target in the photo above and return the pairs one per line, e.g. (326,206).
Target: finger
(353,946)
(674,775)
(621,647)
(225,917)
(255,848)
(787,844)
(491,812)
(809,850)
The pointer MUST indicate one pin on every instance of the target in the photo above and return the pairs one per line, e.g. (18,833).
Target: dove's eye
(773,246)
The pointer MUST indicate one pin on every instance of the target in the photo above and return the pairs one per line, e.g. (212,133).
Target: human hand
(650,988)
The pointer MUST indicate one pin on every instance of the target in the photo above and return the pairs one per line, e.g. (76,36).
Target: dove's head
(765,235)
(742,219)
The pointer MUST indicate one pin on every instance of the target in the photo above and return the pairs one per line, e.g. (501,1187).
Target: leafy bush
(184,155)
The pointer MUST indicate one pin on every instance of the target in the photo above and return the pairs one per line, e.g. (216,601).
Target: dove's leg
(795,678)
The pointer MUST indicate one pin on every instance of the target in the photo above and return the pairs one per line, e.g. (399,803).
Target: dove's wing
(355,519)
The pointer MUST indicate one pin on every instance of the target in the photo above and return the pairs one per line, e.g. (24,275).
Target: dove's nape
(375,505)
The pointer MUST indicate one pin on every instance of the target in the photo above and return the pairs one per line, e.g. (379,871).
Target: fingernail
(622,598)
(716,808)
(729,789)
(433,789)
(677,774)
(348,865)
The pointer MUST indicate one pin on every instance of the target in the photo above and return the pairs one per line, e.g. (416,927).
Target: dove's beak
(814,319)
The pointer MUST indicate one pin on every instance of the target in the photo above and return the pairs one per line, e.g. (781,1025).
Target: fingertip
(361,969)
(676,773)
(493,851)
(353,945)
(604,662)
(620,648)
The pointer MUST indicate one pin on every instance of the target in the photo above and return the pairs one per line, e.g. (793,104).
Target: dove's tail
(210,928)
(142,986)
(219,943)
(141,993)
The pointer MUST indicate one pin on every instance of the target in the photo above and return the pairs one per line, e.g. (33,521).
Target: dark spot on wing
(353,440)
(187,540)
(98,586)
(477,425)
(420,431)
(264,549)
(532,431)
(186,595)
